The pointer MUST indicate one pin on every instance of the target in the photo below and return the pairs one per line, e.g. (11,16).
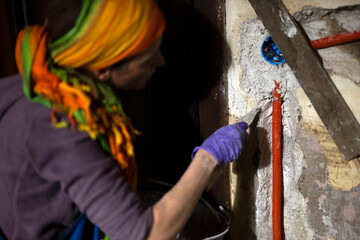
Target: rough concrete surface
(332,213)
(318,23)
(321,194)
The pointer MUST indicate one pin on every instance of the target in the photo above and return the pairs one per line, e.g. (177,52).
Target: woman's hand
(226,143)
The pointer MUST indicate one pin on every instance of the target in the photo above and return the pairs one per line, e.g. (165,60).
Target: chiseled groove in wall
(296,223)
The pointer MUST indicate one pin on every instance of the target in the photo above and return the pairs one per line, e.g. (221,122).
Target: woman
(66,155)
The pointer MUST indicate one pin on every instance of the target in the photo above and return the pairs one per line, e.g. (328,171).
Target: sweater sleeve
(92,179)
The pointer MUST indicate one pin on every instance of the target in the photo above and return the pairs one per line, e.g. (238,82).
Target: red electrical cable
(335,40)
(276,147)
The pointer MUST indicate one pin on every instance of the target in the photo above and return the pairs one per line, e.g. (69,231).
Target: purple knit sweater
(48,176)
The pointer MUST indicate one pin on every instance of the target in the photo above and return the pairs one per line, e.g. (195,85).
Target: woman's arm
(173,210)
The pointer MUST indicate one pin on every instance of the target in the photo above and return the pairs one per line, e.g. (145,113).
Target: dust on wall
(320,190)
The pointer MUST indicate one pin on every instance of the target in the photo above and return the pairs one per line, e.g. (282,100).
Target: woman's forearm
(173,210)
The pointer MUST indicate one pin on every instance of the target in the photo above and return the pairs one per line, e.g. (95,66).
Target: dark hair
(62,16)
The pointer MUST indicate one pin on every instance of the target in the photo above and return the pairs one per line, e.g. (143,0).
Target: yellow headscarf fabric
(115,30)
(106,31)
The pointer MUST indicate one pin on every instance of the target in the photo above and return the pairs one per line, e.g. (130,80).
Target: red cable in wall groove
(335,40)
(277,175)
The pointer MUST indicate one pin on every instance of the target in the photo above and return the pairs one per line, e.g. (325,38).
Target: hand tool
(248,118)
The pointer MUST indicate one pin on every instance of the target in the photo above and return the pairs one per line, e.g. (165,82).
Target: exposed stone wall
(321,192)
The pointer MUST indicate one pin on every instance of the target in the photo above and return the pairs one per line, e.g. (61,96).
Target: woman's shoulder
(27,125)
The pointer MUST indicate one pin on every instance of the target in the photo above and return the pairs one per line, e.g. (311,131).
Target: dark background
(183,103)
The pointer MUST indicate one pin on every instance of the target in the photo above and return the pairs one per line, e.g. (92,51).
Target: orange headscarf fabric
(107,31)
(115,30)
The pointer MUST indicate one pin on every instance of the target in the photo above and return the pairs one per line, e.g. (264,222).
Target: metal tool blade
(250,116)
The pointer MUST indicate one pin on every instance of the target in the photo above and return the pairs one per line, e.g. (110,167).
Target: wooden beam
(312,76)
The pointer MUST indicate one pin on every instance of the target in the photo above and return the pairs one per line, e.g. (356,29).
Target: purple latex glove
(226,143)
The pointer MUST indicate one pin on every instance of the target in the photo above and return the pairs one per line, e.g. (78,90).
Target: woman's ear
(102,74)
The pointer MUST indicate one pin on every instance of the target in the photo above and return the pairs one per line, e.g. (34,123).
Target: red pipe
(276,147)
(335,40)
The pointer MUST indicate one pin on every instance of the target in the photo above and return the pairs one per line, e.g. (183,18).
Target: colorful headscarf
(106,31)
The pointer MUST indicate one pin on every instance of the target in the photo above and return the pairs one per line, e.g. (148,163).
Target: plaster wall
(321,192)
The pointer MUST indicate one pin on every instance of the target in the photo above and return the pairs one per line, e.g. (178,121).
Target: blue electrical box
(271,52)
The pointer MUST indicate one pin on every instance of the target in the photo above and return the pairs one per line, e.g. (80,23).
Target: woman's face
(138,71)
